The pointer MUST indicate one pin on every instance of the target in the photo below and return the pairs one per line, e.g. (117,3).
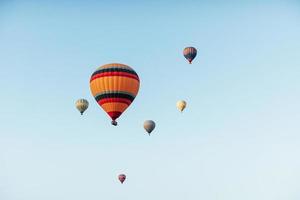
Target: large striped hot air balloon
(190,53)
(114,87)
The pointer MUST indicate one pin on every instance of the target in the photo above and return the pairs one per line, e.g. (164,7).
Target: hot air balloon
(181,105)
(122,178)
(114,86)
(190,53)
(149,126)
(82,105)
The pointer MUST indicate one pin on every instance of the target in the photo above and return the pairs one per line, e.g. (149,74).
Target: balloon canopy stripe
(118,65)
(114,95)
(114,84)
(118,100)
(114,115)
(115,69)
(120,74)
(114,106)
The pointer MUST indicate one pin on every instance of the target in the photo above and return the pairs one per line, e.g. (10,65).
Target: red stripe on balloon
(114,114)
(110,100)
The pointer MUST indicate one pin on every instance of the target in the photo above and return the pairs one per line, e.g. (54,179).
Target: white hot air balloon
(82,105)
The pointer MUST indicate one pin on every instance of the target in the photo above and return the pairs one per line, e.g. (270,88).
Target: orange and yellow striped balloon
(114,86)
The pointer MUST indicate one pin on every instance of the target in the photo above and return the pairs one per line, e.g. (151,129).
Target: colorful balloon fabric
(190,53)
(122,178)
(114,86)
(82,105)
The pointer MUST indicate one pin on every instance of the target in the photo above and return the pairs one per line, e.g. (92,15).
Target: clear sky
(239,137)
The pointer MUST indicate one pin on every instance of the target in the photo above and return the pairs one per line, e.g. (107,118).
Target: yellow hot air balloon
(181,105)
(82,105)
(114,86)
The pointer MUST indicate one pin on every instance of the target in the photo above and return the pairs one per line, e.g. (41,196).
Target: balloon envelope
(82,105)
(181,105)
(149,126)
(190,53)
(114,86)
(122,178)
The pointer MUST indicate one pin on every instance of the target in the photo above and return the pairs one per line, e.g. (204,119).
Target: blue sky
(237,139)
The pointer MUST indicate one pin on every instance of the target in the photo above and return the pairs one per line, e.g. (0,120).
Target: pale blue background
(239,137)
